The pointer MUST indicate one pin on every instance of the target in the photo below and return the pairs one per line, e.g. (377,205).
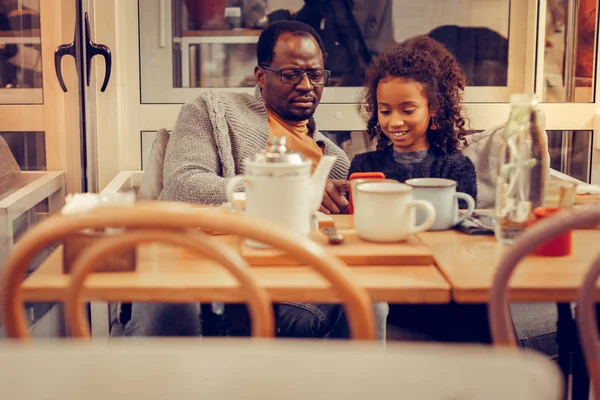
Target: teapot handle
(231,185)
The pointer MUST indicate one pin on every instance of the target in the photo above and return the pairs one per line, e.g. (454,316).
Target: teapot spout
(318,181)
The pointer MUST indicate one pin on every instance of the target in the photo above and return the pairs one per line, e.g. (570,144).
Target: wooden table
(160,269)
(464,270)
(469,264)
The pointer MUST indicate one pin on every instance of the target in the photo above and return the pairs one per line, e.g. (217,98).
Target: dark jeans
(535,324)
(299,320)
(451,322)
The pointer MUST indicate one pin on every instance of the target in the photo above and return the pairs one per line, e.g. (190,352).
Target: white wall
(419,17)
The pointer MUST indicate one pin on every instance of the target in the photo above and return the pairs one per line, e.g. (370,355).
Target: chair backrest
(152,180)
(499,313)
(178,216)
(152,369)
(259,304)
(587,323)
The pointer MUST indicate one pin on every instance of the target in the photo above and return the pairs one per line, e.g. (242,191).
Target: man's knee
(310,320)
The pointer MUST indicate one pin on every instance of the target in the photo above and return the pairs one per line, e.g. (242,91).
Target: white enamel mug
(442,194)
(385,212)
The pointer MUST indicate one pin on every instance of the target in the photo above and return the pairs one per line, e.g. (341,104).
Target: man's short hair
(269,36)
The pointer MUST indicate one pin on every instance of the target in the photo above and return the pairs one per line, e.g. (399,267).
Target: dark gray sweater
(435,165)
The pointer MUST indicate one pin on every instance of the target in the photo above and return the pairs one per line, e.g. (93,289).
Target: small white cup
(385,212)
(441,193)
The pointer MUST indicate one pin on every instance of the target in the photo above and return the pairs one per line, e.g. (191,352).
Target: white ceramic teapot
(280,188)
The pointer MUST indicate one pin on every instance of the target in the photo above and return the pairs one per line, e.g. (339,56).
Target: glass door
(35,117)
(50,105)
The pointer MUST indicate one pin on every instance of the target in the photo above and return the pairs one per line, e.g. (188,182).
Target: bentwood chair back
(178,216)
(587,324)
(501,325)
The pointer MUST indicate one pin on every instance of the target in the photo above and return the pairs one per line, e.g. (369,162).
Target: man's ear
(259,74)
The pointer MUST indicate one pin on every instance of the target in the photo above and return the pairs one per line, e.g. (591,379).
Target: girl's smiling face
(403,113)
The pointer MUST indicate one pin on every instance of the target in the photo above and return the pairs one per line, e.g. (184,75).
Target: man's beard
(299,116)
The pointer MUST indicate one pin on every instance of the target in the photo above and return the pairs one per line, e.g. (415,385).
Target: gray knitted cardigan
(212,137)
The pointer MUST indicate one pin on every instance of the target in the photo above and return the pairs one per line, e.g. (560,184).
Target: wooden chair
(587,323)
(179,216)
(258,300)
(259,303)
(152,369)
(501,325)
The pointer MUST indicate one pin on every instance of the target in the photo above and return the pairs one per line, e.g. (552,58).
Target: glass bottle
(523,168)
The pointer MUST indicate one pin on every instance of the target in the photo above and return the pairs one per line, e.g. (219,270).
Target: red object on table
(559,246)
(360,175)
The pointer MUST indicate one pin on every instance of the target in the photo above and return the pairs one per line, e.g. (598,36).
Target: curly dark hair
(424,60)
(269,36)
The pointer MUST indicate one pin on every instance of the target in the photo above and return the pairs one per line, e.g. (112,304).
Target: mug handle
(470,206)
(429,210)
(233,182)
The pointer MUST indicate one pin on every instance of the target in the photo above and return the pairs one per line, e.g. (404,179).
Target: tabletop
(464,269)
(469,264)
(161,269)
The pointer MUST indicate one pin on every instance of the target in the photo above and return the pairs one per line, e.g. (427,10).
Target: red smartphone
(360,175)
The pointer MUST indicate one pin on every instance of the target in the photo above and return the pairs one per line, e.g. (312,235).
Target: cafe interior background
(87,133)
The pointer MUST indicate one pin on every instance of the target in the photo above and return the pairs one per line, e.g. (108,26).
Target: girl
(413,94)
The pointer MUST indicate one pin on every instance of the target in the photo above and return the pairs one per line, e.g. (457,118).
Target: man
(217,131)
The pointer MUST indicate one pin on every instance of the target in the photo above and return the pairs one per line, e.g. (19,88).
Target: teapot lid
(277,152)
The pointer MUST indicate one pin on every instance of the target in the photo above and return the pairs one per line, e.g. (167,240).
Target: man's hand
(334,201)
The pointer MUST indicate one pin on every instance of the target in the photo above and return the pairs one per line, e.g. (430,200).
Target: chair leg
(564,325)
(212,324)
(581,378)
(570,356)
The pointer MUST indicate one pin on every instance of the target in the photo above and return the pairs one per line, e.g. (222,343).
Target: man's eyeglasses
(293,76)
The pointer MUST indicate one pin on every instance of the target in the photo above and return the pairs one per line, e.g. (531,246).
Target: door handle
(93,49)
(59,53)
